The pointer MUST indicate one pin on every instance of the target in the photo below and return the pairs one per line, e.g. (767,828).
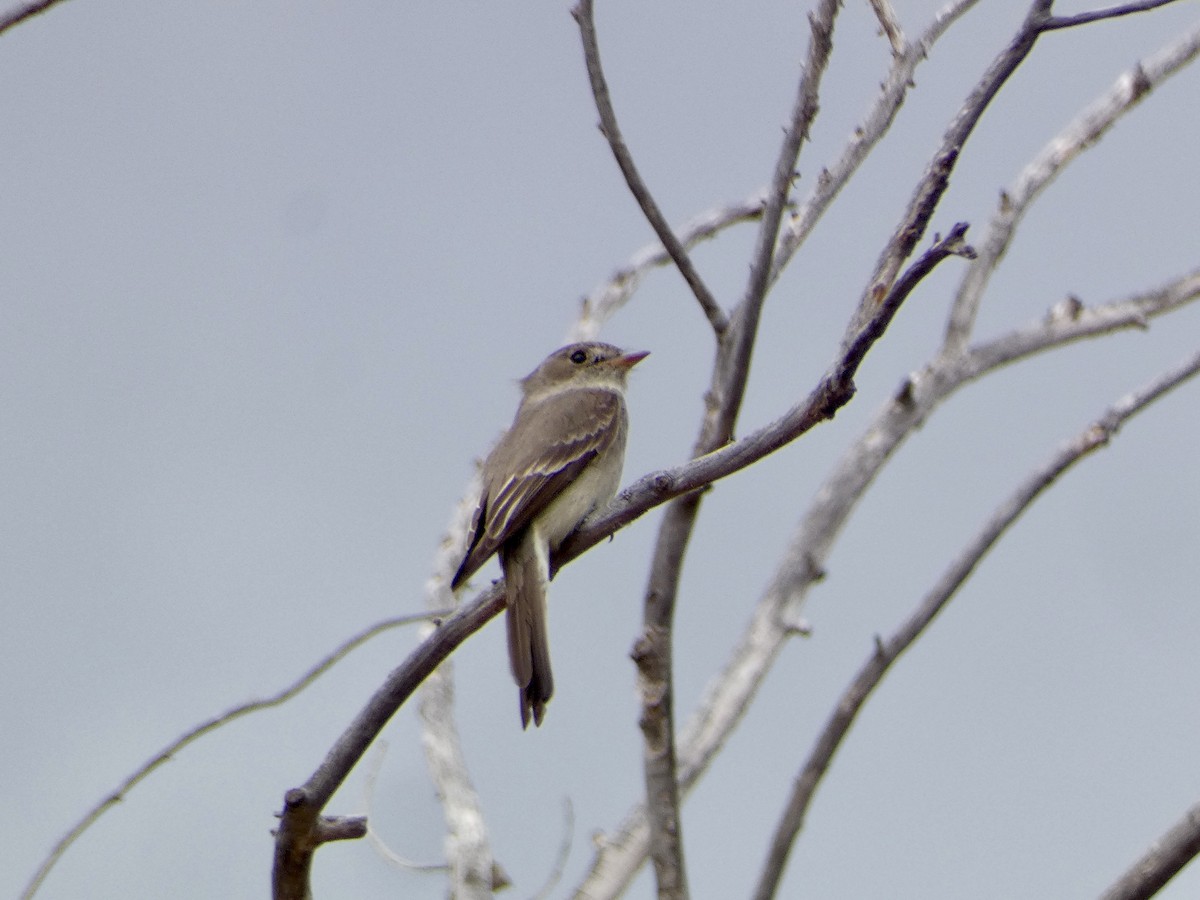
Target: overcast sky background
(270,272)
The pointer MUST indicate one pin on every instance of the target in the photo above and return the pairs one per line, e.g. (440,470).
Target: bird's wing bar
(525,480)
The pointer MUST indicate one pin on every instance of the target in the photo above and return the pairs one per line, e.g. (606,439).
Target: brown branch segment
(612,133)
(302,829)
(1052,23)
(21,13)
(1162,862)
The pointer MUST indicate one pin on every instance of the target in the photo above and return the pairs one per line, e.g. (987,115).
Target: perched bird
(560,460)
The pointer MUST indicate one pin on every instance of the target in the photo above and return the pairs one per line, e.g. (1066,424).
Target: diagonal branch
(1162,862)
(951,245)
(936,178)
(604,300)
(304,804)
(1055,22)
(1071,321)
(1079,135)
(877,664)
(299,831)
(777,615)
(637,187)
(865,137)
(889,25)
(21,13)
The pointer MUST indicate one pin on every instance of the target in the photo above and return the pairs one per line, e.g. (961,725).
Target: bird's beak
(629,360)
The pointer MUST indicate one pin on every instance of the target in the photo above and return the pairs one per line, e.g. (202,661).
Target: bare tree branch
(875,667)
(1079,135)
(1162,862)
(1055,22)
(21,13)
(777,614)
(933,183)
(637,187)
(170,751)
(303,804)
(600,305)
(889,24)
(653,650)
(299,831)
(865,137)
(1071,321)
(951,245)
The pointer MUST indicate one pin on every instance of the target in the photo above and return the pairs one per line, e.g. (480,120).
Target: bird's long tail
(528,644)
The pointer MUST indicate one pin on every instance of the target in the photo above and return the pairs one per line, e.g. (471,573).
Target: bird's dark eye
(579,357)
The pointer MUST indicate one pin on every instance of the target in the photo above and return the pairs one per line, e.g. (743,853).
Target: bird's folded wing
(524,477)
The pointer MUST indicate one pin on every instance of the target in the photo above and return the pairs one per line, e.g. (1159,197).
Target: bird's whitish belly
(594,487)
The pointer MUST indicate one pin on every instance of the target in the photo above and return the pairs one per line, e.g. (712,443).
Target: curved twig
(21,13)
(168,752)
(370,779)
(604,300)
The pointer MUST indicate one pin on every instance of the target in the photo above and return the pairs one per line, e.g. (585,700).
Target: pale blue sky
(270,273)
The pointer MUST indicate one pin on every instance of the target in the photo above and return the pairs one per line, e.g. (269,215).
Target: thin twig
(1098,434)
(951,245)
(171,750)
(612,133)
(1079,135)
(21,13)
(370,780)
(734,368)
(936,178)
(604,300)
(865,137)
(1162,862)
(1125,9)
